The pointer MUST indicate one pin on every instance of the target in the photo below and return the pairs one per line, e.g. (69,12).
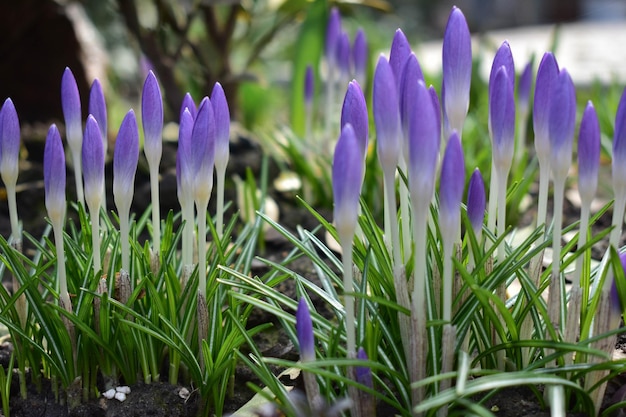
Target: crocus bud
(359,56)
(54,175)
(203,155)
(343,55)
(424,141)
(125,157)
(457,69)
(503,58)
(98,108)
(9,143)
(304,331)
(70,101)
(502,118)
(184,159)
(222,126)
(561,124)
(152,119)
(363,374)
(188,103)
(93,164)
(588,154)
(436,104)
(309,87)
(386,115)
(619,145)
(546,74)
(476,202)
(399,53)
(411,73)
(354,111)
(333,32)
(451,186)
(347,178)
(524,86)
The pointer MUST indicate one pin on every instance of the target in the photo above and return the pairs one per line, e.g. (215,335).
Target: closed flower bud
(561,124)
(386,115)
(125,158)
(222,126)
(93,164)
(152,119)
(354,111)
(476,202)
(54,175)
(304,331)
(588,154)
(9,143)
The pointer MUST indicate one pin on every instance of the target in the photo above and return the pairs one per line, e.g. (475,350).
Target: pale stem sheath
(492,205)
(501,184)
(78,174)
(64,297)
(582,241)
(15,225)
(95,239)
(348,289)
(202,208)
(391,214)
(187,249)
(156,208)
(554,304)
(220,203)
(405,213)
(124,239)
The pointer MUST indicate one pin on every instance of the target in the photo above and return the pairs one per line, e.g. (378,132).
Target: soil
(161,399)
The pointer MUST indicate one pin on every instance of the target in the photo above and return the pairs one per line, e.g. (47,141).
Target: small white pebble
(123,389)
(120,396)
(184,393)
(109,394)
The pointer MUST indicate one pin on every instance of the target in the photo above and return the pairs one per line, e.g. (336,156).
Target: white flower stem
(391,229)
(124,239)
(78,173)
(156,208)
(501,184)
(405,213)
(15,225)
(201,214)
(95,238)
(493,204)
(554,299)
(221,173)
(348,289)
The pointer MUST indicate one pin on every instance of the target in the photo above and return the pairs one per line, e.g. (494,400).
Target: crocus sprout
(54,185)
(93,163)
(359,56)
(457,70)
(184,180)
(70,102)
(222,150)
(476,203)
(502,127)
(98,109)
(152,121)
(354,111)
(125,158)
(9,161)
(619,171)
(561,125)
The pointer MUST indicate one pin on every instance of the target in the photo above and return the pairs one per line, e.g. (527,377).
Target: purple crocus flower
(411,74)
(588,154)
(546,74)
(203,156)
(98,108)
(125,157)
(619,145)
(525,85)
(436,104)
(93,163)
(347,179)
(503,58)
(502,118)
(476,201)
(184,168)
(354,111)
(561,123)
(451,184)
(333,32)
(424,141)
(309,87)
(399,53)
(304,331)
(457,69)
(359,56)
(222,126)
(70,101)
(343,55)
(152,119)
(363,374)
(9,143)
(188,103)
(54,175)
(386,114)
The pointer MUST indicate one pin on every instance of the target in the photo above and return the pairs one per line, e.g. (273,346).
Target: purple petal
(354,111)
(588,153)
(125,157)
(503,58)
(343,54)
(203,156)
(70,101)
(452,181)
(363,374)
(546,74)
(386,115)
(9,142)
(400,51)
(184,157)
(304,331)
(476,201)
(359,54)
(424,141)
(152,119)
(457,69)
(54,174)
(411,75)
(93,162)
(619,142)
(333,32)
(188,103)
(502,117)
(98,108)
(222,126)
(436,104)
(347,177)
(525,85)
(562,122)
(309,87)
